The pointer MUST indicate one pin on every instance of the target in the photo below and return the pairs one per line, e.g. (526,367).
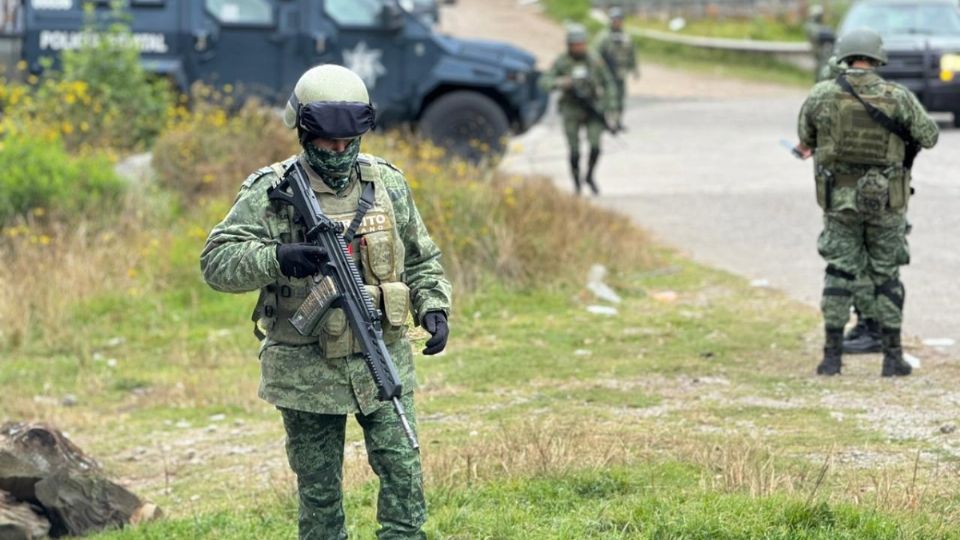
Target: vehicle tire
(468,124)
(956,119)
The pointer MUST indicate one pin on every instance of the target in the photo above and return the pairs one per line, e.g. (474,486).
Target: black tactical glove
(300,260)
(435,322)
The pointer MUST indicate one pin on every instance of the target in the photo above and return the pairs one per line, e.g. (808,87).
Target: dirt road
(702,168)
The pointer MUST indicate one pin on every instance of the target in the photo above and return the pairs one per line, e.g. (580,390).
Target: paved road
(708,176)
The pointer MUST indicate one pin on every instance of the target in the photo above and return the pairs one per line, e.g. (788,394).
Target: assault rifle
(592,110)
(339,283)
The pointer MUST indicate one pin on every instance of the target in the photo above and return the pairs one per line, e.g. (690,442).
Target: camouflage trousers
(873,246)
(315,452)
(621,94)
(574,119)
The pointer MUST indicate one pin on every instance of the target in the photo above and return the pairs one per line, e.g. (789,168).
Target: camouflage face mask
(333,167)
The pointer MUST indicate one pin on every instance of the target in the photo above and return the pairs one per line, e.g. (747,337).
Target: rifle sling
(367,199)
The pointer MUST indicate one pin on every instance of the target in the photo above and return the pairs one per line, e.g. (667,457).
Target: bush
(39,176)
(208,151)
(520,232)
(102,99)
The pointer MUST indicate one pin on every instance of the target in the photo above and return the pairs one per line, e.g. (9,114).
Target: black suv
(922,39)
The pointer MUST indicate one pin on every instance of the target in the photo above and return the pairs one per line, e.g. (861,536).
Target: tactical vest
(378,251)
(854,138)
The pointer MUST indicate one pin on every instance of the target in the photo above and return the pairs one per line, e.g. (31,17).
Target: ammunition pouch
(873,192)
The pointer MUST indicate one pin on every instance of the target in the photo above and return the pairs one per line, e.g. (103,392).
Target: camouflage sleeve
(548,81)
(807,122)
(923,128)
(429,288)
(240,254)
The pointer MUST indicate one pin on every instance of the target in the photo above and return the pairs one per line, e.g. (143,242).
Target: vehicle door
(252,41)
(11,36)
(372,44)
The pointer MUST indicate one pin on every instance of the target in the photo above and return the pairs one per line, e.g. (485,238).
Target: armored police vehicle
(922,39)
(456,91)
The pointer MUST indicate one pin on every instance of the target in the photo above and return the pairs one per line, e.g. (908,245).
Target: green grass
(541,421)
(758,28)
(742,65)
(651,500)
(724,63)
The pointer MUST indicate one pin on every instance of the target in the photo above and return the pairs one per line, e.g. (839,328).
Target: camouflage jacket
(590,77)
(322,373)
(617,50)
(818,117)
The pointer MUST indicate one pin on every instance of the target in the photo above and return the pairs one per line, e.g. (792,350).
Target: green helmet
(861,42)
(325,83)
(576,33)
(615,14)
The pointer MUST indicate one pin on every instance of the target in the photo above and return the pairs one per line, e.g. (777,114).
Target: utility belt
(877,189)
(333,334)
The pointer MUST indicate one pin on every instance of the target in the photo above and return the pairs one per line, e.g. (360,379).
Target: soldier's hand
(300,260)
(435,322)
(803,152)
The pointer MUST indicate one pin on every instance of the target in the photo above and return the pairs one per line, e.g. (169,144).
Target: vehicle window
(355,12)
(899,19)
(253,12)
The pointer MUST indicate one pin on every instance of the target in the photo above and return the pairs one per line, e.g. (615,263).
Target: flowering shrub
(103,99)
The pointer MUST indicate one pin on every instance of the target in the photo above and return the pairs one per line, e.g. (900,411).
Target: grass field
(694,414)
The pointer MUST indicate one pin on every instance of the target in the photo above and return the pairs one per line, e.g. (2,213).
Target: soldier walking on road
(863,133)
(316,380)
(588,96)
(617,49)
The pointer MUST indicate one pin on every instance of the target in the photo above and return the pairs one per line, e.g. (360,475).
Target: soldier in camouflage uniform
(318,379)
(821,42)
(588,93)
(617,49)
(864,337)
(864,188)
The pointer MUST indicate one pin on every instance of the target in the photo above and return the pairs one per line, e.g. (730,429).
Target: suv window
(243,12)
(355,12)
(935,19)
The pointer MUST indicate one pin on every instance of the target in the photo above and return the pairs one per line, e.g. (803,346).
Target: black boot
(893,363)
(863,338)
(575,170)
(832,352)
(594,157)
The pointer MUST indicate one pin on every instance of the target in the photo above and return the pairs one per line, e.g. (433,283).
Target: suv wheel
(468,124)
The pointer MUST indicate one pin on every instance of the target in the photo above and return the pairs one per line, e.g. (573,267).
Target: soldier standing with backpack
(863,133)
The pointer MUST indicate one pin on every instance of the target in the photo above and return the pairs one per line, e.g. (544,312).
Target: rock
(82,504)
(19,520)
(946,429)
(146,513)
(602,310)
(30,452)
(69,400)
